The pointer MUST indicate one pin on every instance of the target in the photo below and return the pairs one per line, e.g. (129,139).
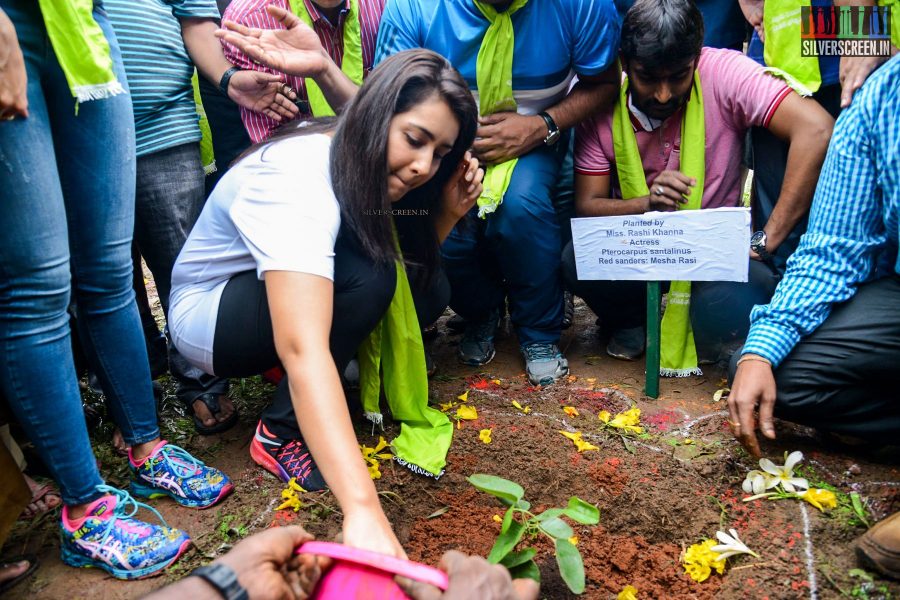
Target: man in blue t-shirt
(515,251)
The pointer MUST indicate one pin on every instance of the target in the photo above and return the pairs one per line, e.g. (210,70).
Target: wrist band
(224,579)
(755,357)
(226,79)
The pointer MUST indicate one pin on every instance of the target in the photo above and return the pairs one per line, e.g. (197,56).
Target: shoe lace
(179,461)
(541,352)
(124,500)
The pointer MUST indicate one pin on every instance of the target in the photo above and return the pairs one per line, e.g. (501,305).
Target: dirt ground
(657,494)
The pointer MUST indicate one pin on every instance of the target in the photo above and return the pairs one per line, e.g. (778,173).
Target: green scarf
(678,355)
(207,156)
(351,64)
(895,20)
(781,52)
(395,346)
(81,49)
(493,75)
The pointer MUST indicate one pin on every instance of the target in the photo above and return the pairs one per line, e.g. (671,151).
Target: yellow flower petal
(464,396)
(699,560)
(629,592)
(485,436)
(469,413)
(445,406)
(571,411)
(573,540)
(580,444)
(496,381)
(604,416)
(821,499)
(497,519)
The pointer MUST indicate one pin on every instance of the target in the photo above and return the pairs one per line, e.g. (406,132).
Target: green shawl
(781,23)
(351,64)
(493,75)
(678,355)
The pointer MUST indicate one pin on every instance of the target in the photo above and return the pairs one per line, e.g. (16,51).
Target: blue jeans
(514,252)
(67,220)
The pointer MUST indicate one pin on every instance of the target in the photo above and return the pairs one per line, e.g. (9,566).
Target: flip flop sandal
(212,403)
(11,583)
(39,494)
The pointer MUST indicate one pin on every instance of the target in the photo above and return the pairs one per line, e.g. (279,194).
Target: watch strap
(551,124)
(224,579)
(226,79)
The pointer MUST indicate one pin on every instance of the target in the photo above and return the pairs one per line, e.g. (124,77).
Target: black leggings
(244,343)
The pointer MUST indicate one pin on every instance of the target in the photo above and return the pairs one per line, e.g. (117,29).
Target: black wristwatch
(552,130)
(758,245)
(226,79)
(224,579)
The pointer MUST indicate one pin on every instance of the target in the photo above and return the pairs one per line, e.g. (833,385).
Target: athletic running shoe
(544,363)
(108,537)
(286,459)
(171,471)
(476,347)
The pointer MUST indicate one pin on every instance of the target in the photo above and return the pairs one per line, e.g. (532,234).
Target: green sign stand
(651,385)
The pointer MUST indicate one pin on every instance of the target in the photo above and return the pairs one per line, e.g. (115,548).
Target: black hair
(662,34)
(358,159)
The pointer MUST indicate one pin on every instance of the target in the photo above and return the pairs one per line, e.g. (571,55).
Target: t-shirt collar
(640,119)
(316,15)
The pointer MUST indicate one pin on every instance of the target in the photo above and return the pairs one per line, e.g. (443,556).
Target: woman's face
(417,141)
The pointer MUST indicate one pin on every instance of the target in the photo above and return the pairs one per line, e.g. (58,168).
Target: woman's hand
(669,190)
(463,188)
(13,79)
(370,530)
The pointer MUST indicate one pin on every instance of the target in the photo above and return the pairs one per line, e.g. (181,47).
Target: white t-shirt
(273,211)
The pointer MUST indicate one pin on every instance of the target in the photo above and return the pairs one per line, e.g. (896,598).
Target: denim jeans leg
(37,373)
(97,172)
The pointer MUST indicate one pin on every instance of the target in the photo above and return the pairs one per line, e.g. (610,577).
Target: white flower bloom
(731,545)
(784,474)
(758,482)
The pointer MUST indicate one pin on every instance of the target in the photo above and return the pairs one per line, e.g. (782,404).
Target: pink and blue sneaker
(170,471)
(108,537)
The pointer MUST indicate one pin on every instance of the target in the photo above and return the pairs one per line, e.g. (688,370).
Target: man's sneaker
(627,344)
(476,347)
(109,538)
(568,309)
(286,459)
(456,324)
(170,471)
(544,363)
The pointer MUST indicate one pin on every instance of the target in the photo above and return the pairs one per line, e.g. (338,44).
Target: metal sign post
(651,382)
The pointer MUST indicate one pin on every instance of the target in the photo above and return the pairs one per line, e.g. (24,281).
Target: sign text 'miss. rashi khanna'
(701,245)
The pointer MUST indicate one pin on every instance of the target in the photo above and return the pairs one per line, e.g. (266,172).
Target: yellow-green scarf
(895,20)
(351,63)
(395,346)
(207,156)
(678,355)
(493,75)
(781,23)
(81,49)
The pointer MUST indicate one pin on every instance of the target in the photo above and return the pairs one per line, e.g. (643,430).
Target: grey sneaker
(476,347)
(627,344)
(544,363)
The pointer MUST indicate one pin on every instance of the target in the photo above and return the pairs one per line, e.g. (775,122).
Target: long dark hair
(359,154)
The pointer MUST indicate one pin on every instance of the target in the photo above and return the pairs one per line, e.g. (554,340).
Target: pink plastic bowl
(362,575)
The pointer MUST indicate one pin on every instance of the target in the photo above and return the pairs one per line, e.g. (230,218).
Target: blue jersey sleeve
(401,28)
(596,35)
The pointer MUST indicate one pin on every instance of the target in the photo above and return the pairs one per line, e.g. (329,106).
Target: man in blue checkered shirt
(826,351)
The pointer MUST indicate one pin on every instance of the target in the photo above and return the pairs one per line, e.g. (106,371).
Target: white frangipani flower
(784,474)
(731,545)
(758,482)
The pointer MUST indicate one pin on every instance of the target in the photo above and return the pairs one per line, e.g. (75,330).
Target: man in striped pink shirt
(328,18)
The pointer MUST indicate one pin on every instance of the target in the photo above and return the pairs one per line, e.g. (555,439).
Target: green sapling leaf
(571,567)
(581,512)
(504,489)
(557,528)
(506,542)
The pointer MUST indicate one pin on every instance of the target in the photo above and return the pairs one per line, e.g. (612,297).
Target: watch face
(758,240)
(551,139)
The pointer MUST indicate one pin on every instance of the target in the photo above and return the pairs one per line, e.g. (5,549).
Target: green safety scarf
(493,75)
(81,49)
(781,51)
(395,347)
(678,355)
(207,156)
(351,63)
(895,20)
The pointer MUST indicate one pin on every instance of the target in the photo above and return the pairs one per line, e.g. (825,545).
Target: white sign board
(685,245)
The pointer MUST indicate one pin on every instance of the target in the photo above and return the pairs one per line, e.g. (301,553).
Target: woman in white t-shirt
(292,261)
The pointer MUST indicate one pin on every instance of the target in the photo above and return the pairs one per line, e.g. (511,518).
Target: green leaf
(629,445)
(507,519)
(506,542)
(571,567)
(528,570)
(858,507)
(514,559)
(581,512)
(523,505)
(557,528)
(497,486)
(549,514)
